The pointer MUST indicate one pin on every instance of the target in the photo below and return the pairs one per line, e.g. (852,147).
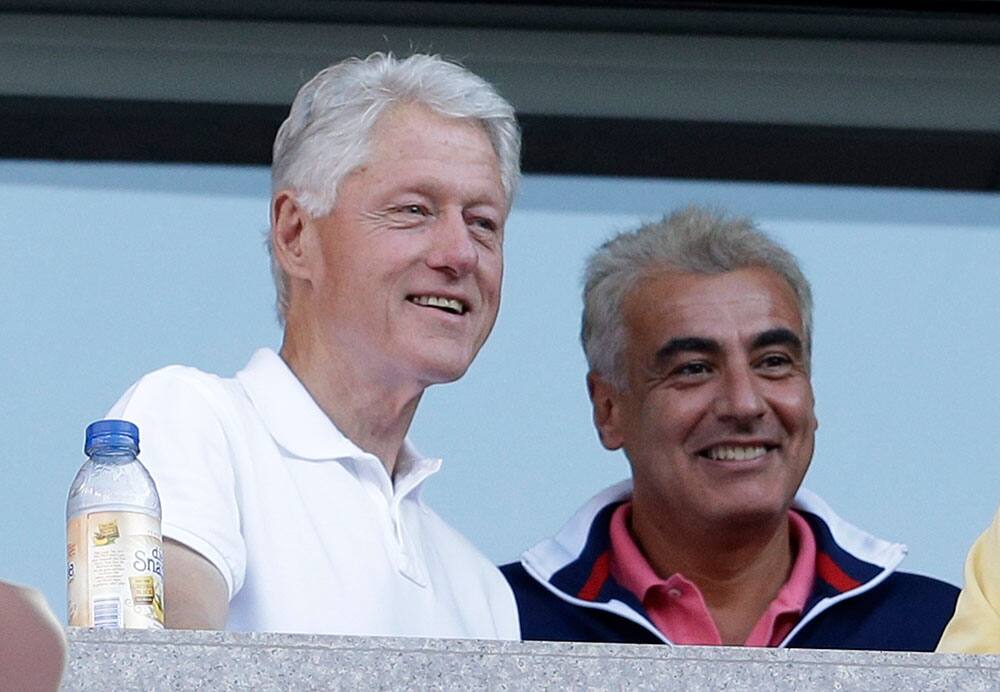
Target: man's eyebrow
(778,337)
(684,344)
(474,197)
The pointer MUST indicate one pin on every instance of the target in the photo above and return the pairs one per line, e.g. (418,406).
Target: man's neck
(739,570)
(372,411)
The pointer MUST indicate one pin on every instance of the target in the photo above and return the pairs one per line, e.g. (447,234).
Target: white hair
(328,129)
(694,239)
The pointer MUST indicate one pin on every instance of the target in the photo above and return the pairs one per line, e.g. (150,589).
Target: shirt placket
(409,562)
(404,548)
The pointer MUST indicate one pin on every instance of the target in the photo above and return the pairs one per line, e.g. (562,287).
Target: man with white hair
(291,494)
(698,331)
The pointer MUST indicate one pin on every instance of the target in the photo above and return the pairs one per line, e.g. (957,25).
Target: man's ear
(288,231)
(607,410)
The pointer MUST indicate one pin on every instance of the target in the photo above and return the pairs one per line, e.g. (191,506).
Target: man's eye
(775,362)
(692,369)
(412,209)
(483,223)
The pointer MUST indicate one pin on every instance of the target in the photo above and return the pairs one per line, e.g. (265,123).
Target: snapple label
(115,570)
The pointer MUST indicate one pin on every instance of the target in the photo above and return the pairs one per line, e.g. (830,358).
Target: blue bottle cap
(111,433)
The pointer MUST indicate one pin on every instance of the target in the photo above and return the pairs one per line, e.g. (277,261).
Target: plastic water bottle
(114,548)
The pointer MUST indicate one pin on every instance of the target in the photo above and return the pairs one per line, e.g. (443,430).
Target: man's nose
(739,397)
(452,246)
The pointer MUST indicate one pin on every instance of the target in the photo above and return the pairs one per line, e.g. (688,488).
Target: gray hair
(695,239)
(328,129)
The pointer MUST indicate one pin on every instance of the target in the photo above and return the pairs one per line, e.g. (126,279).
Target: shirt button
(675,593)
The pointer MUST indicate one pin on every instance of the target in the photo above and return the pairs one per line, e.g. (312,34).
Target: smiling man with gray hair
(291,494)
(698,332)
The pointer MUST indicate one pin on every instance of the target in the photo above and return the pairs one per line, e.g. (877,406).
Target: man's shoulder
(533,599)
(183,376)
(532,596)
(517,576)
(447,537)
(546,616)
(186,418)
(904,612)
(178,387)
(907,600)
(930,591)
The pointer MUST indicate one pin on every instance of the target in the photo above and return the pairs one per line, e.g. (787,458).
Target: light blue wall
(108,271)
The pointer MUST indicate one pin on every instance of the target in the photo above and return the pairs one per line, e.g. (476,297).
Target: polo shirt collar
(300,426)
(289,411)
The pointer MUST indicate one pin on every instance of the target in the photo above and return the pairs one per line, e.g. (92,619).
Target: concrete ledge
(188,660)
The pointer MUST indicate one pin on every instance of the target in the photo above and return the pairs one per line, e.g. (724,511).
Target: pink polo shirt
(677,607)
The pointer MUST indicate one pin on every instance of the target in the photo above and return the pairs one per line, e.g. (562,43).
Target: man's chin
(748,514)
(444,371)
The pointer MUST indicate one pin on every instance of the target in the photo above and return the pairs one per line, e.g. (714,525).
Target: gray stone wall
(187,660)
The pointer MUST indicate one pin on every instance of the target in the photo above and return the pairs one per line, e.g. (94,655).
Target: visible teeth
(726,453)
(450,304)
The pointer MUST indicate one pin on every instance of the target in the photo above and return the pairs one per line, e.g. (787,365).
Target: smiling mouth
(735,452)
(450,305)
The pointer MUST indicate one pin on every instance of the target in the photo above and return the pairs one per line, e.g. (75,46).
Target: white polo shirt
(309,532)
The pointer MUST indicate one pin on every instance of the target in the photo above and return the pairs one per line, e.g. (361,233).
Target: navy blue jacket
(858,601)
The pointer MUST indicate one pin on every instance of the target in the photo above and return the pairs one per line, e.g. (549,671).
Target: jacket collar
(581,540)
(847,557)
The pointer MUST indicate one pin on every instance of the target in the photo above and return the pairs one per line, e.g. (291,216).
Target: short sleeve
(183,423)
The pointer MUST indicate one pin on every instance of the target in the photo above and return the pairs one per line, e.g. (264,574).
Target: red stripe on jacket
(598,575)
(830,572)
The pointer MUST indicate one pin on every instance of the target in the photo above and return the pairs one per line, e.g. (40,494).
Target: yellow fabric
(975,629)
